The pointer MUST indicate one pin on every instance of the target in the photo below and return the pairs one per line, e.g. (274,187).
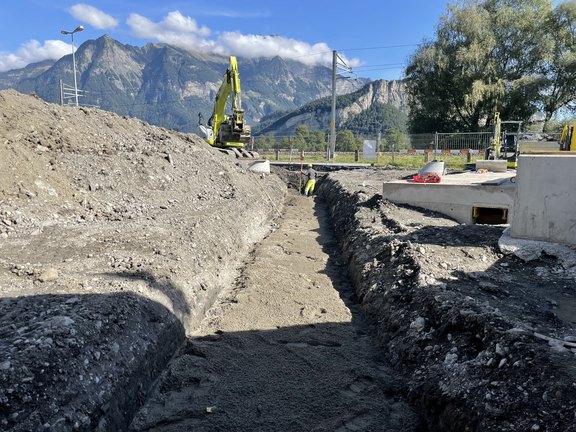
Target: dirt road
(286,349)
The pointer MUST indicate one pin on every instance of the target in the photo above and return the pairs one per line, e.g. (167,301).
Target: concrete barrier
(545,204)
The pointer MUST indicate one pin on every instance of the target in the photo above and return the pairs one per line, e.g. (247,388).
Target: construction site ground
(150,283)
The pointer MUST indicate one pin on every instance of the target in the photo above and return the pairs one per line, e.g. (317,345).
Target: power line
(379,47)
(378,65)
(355,49)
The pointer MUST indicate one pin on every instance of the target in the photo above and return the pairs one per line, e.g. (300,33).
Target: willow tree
(559,72)
(486,57)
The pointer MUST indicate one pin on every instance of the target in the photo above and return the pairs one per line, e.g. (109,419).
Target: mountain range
(375,108)
(169,86)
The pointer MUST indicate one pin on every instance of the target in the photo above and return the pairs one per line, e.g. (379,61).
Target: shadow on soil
(317,377)
(163,286)
(75,362)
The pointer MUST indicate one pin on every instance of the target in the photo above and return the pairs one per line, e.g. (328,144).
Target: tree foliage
(559,72)
(510,56)
(345,141)
(379,118)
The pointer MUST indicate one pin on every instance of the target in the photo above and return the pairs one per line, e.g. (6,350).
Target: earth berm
(115,238)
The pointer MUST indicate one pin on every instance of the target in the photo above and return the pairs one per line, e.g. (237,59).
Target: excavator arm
(228,131)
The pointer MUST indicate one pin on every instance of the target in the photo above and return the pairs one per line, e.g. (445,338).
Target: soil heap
(115,237)
(487,340)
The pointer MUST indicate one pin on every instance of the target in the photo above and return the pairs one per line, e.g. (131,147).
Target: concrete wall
(545,203)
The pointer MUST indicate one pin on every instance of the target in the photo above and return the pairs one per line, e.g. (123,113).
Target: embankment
(460,320)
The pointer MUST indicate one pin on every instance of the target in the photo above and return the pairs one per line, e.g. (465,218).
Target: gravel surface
(115,238)
(286,350)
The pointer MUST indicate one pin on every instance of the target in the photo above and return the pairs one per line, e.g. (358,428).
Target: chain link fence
(436,143)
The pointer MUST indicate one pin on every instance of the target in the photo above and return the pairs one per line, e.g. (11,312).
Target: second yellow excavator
(228,132)
(568,138)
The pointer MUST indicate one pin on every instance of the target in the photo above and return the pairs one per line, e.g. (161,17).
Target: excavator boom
(225,130)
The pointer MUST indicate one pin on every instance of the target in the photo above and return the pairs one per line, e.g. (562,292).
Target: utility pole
(345,67)
(333,116)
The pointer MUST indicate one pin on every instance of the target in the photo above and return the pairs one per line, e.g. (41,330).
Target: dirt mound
(115,237)
(486,339)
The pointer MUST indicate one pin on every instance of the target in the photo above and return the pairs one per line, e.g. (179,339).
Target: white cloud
(95,17)
(182,31)
(179,30)
(268,46)
(173,25)
(175,29)
(32,52)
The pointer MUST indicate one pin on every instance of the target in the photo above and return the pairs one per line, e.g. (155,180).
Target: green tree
(384,145)
(264,142)
(396,139)
(317,141)
(282,143)
(485,58)
(559,72)
(301,137)
(345,141)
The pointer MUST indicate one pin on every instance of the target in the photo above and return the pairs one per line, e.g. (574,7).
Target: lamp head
(76,30)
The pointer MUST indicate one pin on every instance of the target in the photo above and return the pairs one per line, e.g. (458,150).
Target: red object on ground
(427,178)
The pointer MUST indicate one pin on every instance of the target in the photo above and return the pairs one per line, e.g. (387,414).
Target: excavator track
(240,153)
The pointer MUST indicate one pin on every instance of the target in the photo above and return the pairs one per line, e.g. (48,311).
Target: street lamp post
(71,33)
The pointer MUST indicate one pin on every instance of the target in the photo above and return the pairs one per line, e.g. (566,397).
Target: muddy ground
(117,237)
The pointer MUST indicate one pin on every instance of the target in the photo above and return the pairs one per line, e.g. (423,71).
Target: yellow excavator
(228,132)
(504,144)
(568,138)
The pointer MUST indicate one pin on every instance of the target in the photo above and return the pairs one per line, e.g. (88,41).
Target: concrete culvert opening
(490,215)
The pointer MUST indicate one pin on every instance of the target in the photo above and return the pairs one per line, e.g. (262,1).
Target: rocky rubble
(485,339)
(115,237)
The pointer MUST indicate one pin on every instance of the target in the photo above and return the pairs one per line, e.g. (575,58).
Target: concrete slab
(467,197)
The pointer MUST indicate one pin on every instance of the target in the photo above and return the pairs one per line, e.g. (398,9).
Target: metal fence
(461,141)
(441,143)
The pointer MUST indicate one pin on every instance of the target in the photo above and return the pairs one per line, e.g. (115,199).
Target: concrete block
(457,194)
(545,203)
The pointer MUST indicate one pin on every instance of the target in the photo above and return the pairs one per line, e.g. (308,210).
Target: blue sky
(374,37)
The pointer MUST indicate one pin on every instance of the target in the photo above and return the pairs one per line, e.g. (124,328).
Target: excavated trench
(359,315)
(287,348)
